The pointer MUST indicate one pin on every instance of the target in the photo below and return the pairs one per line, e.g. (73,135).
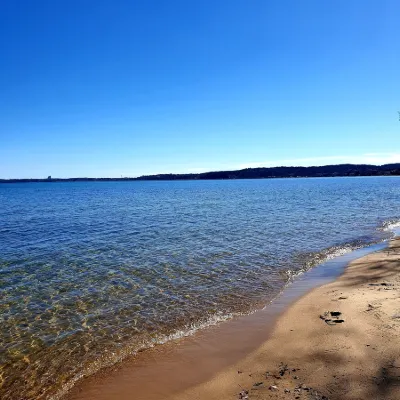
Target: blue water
(92,271)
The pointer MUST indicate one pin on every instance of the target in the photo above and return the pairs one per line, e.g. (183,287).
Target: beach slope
(340,341)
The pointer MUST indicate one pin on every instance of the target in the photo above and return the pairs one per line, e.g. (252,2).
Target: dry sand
(313,357)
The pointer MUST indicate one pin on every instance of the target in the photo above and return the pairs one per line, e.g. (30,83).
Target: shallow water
(185,363)
(92,271)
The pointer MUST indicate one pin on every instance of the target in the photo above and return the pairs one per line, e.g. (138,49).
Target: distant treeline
(287,172)
(250,173)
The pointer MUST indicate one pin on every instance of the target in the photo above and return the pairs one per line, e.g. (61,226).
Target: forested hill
(287,172)
(251,173)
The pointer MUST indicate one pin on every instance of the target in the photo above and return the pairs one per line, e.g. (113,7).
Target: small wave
(390,224)
(193,328)
(306,261)
(310,260)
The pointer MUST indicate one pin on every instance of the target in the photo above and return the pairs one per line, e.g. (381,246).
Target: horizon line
(51,178)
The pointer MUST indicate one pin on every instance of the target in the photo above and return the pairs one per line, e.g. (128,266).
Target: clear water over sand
(90,272)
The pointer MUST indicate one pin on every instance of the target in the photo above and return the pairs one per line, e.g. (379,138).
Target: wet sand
(313,354)
(327,351)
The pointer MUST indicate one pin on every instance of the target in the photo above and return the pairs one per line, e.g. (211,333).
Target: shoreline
(312,354)
(321,171)
(198,358)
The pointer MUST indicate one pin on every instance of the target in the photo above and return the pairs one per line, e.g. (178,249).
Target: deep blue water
(92,271)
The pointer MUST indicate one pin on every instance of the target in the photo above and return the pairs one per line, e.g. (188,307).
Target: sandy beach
(340,341)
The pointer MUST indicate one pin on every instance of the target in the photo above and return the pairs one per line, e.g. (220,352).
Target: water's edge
(252,329)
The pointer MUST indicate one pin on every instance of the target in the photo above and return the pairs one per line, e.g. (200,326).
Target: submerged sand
(310,355)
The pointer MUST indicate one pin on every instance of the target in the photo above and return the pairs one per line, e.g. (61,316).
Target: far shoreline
(323,171)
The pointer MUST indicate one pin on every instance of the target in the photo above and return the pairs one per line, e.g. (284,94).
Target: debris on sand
(332,317)
(335,313)
(381,284)
(283,368)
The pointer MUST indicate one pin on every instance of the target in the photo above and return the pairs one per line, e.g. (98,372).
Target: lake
(93,271)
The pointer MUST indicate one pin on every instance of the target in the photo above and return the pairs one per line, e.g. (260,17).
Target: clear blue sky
(110,88)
